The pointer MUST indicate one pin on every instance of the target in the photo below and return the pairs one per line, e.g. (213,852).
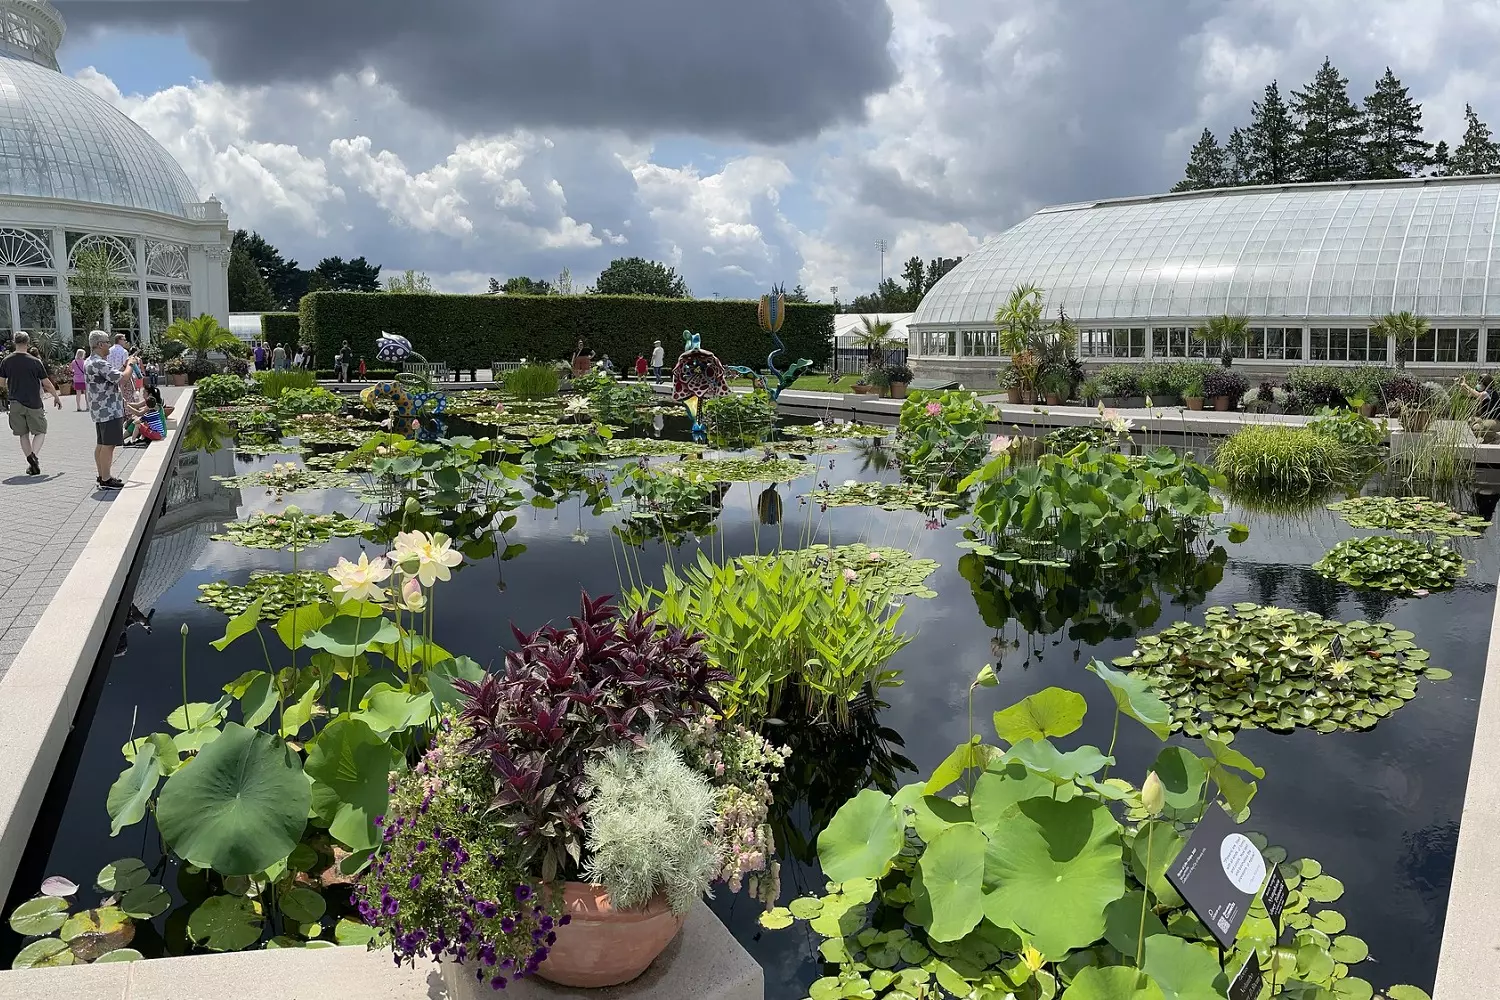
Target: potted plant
(1010,379)
(1120,387)
(1224,386)
(176,370)
(1055,387)
(1418,412)
(566,816)
(876,382)
(898,377)
(1192,393)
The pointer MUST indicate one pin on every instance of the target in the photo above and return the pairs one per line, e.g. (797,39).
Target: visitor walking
(24,377)
(640,368)
(297,359)
(260,356)
(79,386)
(106,406)
(583,358)
(278,358)
(343,362)
(118,354)
(658,358)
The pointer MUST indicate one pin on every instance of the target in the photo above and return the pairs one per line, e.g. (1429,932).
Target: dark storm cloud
(767,70)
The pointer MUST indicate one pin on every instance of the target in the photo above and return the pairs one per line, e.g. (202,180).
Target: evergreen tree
(494,288)
(1394,146)
(1206,166)
(1477,154)
(798,294)
(913,274)
(1440,158)
(638,276)
(1269,140)
(522,285)
(248,290)
(1330,129)
(1237,167)
(340,275)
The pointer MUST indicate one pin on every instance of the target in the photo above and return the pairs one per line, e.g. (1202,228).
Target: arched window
(166,260)
(24,248)
(121,257)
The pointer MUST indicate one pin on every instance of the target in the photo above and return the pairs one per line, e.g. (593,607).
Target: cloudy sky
(743,143)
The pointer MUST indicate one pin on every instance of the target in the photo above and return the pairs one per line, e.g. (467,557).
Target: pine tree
(1330,129)
(1477,154)
(1394,146)
(1206,166)
(1269,140)
(1237,159)
(1440,160)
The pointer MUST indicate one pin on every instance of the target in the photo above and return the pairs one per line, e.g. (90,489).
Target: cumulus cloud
(767,70)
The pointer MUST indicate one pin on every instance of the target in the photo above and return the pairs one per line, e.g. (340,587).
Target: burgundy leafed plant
(567,693)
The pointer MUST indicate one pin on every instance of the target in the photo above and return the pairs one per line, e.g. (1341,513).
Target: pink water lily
(933,409)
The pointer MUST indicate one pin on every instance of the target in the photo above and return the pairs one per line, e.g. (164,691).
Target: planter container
(1125,402)
(602,946)
(1415,421)
(179,379)
(1013,395)
(1054,399)
(1193,402)
(865,390)
(1367,409)
(1221,402)
(898,390)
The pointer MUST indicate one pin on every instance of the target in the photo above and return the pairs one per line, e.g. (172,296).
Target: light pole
(882,246)
(835,290)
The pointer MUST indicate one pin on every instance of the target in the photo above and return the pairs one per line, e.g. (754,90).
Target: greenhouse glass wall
(1313,266)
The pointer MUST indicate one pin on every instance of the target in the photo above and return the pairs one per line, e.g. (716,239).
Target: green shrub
(218,390)
(473,330)
(1117,381)
(1318,385)
(1359,434)
(622,403)
(1187,377)
(1155,379)
(294,402)
(1295,460)
(532,381)
(282,328)
(273,384)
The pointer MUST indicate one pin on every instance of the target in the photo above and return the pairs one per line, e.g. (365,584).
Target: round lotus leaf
(1323,889)
(1349,950)
(1182,775)
(43,954)
(93,932)
(199,715)
(952,873)
(1183,970)
(303,905)
(1116,982)
(224,923)
(240,807)
(862,838)
(1352,988)
(1055,866)
(119,955)
(1050,712)
(1123,922)
(145,902)
(38,916)
(1406,993)
(304,857)
(123,875)
(777,918)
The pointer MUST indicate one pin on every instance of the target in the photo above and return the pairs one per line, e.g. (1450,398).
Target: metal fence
(853,360)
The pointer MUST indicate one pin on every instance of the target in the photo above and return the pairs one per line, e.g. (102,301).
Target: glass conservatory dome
(1353,251)
(60,140)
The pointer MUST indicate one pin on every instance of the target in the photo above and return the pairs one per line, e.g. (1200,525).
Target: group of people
(109,378)
(583,360)
(275,358)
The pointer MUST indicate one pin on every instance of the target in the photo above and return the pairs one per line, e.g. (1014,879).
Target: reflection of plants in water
(875,454)
(828,765)
(205,432)
(739,420)
(1250,666)
(673,505)
(1045,877)
(1093,602)
(1262,499)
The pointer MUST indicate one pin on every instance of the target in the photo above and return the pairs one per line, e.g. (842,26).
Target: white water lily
(429,558)
(851,482)
(361,581)
(580,536)
(576,405)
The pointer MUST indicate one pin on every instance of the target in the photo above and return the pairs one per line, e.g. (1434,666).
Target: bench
(437,371)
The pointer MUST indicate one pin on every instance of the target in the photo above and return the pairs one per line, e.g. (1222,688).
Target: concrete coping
(40,693)
(704,962)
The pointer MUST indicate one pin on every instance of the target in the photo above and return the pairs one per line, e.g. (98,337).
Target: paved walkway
(47,519)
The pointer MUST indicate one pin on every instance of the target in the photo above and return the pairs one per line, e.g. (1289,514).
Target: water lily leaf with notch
(1115,982)
(1050,712)
(120,955)
(126,802)
(41,915)
(123,875)
(348,635)
(354,932)
(303,905)
(145,902)
(1406,993)
(1044,759)
(862,838)
(224,923)
(240,807)
(48,953)
(350,765)
(776,918)
(56,885)
(241,624)
(94,932)
(1135,698)
(1183,970)
(1054,867)
(953,874)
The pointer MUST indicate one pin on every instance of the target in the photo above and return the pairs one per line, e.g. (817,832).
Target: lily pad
(94,932)
(119,955)
(56,885)
(302,904)
(38,916)
(123,875)
(145,902)
(277,592)
(224,923)
(44,954)
(1410,515)
(745,470)
(1394,565)
(1115,982)
(287,531)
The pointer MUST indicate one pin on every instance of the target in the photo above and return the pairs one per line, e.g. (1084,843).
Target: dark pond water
(1380,809)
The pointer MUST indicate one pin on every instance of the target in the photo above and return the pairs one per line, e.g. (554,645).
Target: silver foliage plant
(650,826)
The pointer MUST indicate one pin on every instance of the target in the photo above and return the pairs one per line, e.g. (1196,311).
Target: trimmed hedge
(470,331)
(281,328)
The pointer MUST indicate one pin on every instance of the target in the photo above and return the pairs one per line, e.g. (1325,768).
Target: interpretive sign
(1218,872)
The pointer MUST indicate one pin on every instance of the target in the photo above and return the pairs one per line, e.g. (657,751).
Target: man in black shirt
(24,377)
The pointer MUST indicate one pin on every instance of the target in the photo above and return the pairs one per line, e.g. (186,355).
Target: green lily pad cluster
(264,450)
(745,470)
(277,592)
(290,530)
(346,460)
(889,571)
(1065,439)
(1397,565)
(342,436)
(1409,515)
(1251,666)
(887,496)
(838,429)
(1027,872)
(282,479)
(102,934)
(637,447)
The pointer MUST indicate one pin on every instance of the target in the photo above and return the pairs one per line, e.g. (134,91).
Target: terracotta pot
(1367,409)
(1193,402)
(1415,421)
(602,946)
(179,378)
(1221,402)
(864,390)
(1013,395)
(1027,397)
(898,390)
(1054,399)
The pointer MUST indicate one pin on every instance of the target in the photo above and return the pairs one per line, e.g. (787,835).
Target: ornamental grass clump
(1291,460)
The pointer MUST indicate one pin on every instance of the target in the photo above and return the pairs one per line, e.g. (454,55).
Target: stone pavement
(46,520)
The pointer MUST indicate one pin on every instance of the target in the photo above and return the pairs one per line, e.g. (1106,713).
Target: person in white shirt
(658,358)
(118,354)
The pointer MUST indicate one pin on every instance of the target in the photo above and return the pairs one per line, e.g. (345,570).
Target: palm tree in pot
(1404,327)
(873,335)
(1020,322)
(1226,331)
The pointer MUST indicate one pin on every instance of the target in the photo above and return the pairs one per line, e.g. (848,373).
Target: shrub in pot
(1224,386)
(1118,382)
(1054,386)
(1192,394)
(898,377)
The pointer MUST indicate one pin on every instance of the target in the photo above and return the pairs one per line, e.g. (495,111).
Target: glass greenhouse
(1311,265)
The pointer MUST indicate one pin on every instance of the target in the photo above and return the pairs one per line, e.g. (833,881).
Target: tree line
(1321,134)
(262,280)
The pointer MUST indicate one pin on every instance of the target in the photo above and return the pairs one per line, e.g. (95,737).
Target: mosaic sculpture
(697,376)
(410,395)
(772,313)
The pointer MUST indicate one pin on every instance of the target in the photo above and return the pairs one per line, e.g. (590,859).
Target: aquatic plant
(1290,459)
(650,819)
(295,402)
(1250,666)
(277,593)
(291,529)
(782,634)
(1409,515)
(1038,876)
(888,572)
(668,496)
(272,384)
(219,390)
(837,429)
(622,403)
(1398,565)
(767,469)
(1360,436)
(942,436)
(739,420)
(531,381)
(1065,439)
(288,477)
(102,934)
(887,496)
(637,447)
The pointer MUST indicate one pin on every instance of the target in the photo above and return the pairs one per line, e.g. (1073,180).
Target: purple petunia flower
(567,918)
(523,893)
(415,883)
(508,926)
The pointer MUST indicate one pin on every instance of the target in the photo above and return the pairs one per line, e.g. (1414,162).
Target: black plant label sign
(1274,896)
(1247,985)
(1219,872)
